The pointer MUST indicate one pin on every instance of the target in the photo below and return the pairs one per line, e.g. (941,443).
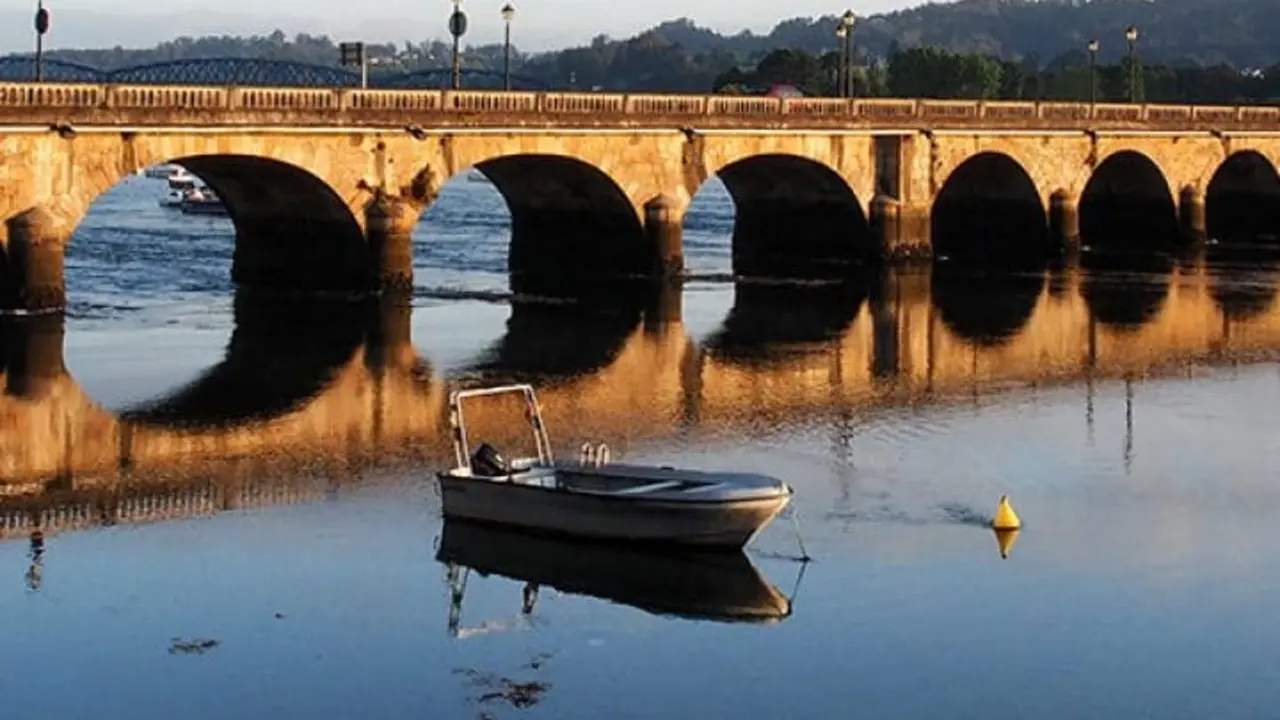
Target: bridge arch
(1242,200)
(795,216)
(1127,206)
(573,226)
(990,210)
(299,215)
(293,230)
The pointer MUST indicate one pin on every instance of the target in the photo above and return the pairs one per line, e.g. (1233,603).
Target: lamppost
(846,21)
(841,33)
(42,27)
(457,28)
(1131,35)
(1093,72)
(508,14)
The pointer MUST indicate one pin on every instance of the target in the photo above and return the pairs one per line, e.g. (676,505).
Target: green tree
(793,67)
(1013,81)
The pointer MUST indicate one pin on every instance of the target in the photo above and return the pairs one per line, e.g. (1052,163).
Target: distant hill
(681,56)
(1237,32)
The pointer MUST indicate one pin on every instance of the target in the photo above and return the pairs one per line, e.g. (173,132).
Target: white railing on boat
(533,414)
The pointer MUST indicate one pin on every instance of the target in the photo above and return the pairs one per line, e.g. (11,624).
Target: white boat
(202,201)
(596,499)
(164,171)
(179,186)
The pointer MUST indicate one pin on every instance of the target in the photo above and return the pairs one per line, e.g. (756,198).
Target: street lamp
(846,21)
(508,14)
(457,28)
(1131,35)
(841,32)
(1093,72)
(42,27)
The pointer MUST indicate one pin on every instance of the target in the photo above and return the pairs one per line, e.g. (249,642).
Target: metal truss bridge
(248,72)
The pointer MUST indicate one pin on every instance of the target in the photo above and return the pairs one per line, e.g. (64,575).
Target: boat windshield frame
(533,415)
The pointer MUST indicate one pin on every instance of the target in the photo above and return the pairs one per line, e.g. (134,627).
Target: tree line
(695,62)
(933,72)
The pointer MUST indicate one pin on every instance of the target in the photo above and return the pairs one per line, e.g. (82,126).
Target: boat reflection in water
(699,585)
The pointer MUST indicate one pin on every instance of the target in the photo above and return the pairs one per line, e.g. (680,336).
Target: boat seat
(486,461)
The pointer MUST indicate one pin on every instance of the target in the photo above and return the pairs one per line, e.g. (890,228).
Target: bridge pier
(664,308)
(1064,222)
(1191,214)
(389,225)
(664,227)
(31,269)
(389,339)
(901,231)
(317,254)
(33,354)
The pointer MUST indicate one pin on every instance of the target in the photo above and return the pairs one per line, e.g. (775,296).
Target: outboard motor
(486,461)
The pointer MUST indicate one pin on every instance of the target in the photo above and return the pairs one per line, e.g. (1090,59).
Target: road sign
(351,53)
(458,23)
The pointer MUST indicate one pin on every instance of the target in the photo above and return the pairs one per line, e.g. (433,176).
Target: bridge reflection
(308,395)
(282,353)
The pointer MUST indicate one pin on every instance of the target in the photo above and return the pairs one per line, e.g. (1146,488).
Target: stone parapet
(61,104)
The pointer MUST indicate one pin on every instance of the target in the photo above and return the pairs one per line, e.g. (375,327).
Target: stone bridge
(345,391)
(325,185)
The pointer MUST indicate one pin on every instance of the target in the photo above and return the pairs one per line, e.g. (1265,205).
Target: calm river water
(291,562)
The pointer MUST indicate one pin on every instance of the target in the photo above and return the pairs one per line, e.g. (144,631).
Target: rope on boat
(795,589)
(794,515)
(805,557)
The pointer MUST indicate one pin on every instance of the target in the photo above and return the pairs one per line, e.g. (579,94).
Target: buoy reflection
(1005,540)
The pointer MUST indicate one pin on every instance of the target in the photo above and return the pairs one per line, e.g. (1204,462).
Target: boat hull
(717,524)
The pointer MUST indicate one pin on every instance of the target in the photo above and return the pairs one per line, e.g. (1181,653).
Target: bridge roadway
(67,462)
(326,185)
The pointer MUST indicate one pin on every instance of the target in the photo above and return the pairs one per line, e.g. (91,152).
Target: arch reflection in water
(779,358)
(987,310)
(719,586)
(556,341)
(772,320)
(283,352)
(1244,280)
(1126,294)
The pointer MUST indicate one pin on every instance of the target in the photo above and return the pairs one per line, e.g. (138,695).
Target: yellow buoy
(1006,518)
(1005,540)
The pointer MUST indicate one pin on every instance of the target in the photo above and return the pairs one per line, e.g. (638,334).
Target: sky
(539,24)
